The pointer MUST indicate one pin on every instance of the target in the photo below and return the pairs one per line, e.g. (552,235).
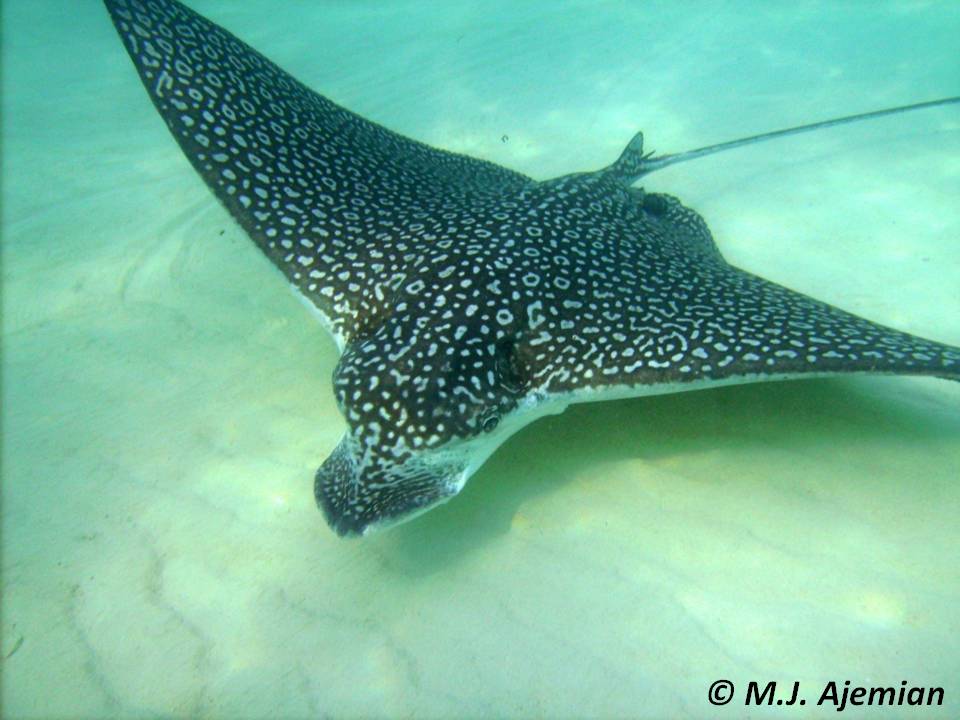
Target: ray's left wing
(337,202)
(671,314)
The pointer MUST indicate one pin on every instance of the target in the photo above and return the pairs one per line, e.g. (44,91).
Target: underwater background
(166,399)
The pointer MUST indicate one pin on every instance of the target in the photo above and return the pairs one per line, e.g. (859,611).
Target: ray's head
(425,404)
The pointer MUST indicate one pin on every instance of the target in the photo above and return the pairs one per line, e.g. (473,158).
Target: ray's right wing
(334,200)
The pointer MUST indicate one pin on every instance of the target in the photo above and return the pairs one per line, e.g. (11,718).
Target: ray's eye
(509,368)
(490,422)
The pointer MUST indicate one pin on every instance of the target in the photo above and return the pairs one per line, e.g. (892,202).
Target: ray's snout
(331,487)
(359,493)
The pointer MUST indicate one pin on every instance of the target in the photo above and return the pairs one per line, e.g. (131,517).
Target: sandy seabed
(166,399)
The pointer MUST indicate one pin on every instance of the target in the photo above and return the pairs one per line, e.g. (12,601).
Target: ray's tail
(633,163)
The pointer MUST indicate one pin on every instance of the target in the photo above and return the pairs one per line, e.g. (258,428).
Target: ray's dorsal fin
(633,163)
(321,190)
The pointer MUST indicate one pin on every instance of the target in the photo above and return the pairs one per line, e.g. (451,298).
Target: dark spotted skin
(460,291)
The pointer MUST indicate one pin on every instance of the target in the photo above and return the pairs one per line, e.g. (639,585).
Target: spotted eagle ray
(467,299)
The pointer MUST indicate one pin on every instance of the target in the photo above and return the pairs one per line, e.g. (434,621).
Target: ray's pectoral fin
(322,191)
(359,490)
(780,332)
(741,328)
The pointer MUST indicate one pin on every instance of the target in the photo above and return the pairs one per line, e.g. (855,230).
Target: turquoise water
(166,400)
